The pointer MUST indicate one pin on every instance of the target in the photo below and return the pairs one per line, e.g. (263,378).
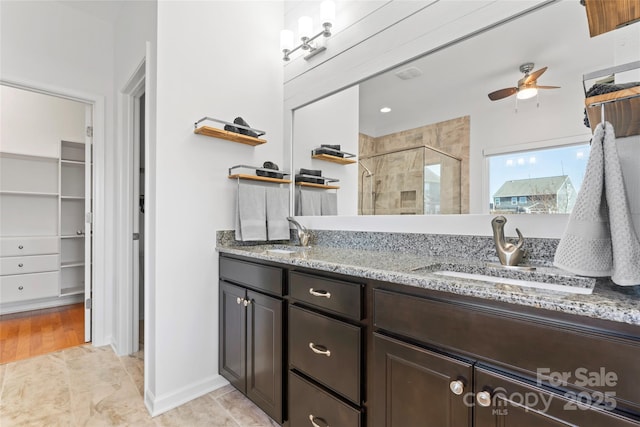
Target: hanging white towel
(600,239)
(277,213)
(251,217)
(309,202)
(329,203)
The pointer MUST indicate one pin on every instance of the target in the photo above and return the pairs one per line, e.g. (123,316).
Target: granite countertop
(608,301)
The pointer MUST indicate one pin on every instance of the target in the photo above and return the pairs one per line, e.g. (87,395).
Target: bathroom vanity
(365,338)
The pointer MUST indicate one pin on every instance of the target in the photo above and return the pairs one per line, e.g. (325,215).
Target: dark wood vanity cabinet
(417,387)
(525,370)
(325,351)
(250,332)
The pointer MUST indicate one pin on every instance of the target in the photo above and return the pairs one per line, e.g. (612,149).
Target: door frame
(100,246)
(128,288)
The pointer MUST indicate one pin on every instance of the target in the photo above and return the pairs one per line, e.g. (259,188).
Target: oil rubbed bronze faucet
(508,253)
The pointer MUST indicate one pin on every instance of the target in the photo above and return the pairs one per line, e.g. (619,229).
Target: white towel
(277,213)
(600,239)
(329,203)
(251,217)
(309,202)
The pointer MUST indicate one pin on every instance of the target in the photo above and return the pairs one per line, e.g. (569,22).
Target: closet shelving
(620,108)
(252,177)
(72,208)
(334,156)
(604,16)
(228,135)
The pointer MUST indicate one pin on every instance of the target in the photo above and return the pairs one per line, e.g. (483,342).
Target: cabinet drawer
(18,246)
(29,264)
(524,343)
(333,295)
(256,276)
(23,287)
(327,350)
(309,403)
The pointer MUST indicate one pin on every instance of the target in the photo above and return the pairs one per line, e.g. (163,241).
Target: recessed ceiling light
(385,109)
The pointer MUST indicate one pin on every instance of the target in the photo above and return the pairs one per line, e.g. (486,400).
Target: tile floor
(88,385)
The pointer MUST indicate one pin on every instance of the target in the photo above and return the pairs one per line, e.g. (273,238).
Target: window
(537,181)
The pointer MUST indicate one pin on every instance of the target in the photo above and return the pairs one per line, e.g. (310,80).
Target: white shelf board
(72,197)
(73,236)
(72,162)
(72,264)
(71,290)
(29,193)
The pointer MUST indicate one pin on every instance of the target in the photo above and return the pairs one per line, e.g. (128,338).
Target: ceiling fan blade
(534,76)
(548,87)
(502,93)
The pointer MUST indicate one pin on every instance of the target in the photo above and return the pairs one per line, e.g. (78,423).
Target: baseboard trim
(9,308)
(157,405)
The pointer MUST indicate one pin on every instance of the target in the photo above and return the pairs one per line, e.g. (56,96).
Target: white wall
(217,59)
(53,47)
(332,120)
(34,123)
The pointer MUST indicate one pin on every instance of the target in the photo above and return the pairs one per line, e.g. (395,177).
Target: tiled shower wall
(397,184)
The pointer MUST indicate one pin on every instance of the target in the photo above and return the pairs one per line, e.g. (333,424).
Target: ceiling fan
(527,85)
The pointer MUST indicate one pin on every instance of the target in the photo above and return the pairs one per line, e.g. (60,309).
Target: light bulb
(527,93)
(286,40)
(305,27)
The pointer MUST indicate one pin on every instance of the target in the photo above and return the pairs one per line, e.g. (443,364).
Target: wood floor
(32,333)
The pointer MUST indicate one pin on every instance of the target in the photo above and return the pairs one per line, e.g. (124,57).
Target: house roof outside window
(532,186)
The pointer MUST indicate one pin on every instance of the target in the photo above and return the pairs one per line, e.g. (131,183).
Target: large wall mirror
(421,134)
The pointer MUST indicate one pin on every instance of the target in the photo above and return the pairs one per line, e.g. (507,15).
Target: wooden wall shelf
(334,159)
(621,109)
(311,184)
(259,178)
(607,15)
(230,136)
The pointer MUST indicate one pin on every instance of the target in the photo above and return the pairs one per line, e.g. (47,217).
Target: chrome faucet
(508,253)
(303,233)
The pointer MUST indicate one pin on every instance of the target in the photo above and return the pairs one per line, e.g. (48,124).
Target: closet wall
(42,186)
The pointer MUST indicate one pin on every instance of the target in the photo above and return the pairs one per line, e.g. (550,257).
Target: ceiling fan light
(527,93)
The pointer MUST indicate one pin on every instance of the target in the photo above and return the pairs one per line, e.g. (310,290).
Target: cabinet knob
(239,300)
(247,302)
(457,387)
(314,419)
(21,265)
(20,288)
(318,349)
(484,398)
(20,247)
(324,294)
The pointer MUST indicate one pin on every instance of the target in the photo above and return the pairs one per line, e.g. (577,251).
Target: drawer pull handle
(484,398)
(20,288)
(457,387)
(319,293)
(313,421)
(317,349)
(239,300)
(21,265)
(20,247)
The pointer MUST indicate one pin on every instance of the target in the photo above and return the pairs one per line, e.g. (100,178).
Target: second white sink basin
(517,282)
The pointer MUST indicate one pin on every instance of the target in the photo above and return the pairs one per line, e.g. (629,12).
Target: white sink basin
(517,282)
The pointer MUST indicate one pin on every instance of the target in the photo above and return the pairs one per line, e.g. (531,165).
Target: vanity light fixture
(305,30)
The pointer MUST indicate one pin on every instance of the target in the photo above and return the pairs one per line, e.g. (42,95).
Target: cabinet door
(413,387)
(505,402)
(264,353)
(232,335)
